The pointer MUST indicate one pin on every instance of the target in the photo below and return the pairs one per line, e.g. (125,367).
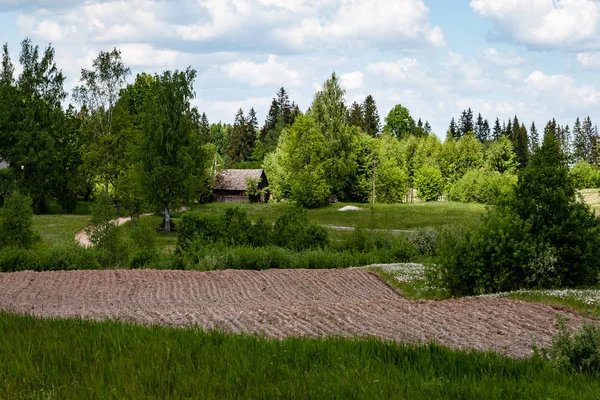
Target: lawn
(73,359)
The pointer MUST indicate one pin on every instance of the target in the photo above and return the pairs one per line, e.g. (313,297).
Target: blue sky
(535,58)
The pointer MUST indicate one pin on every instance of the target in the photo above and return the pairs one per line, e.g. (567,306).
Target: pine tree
(589,139)
(355,116)
(507,129)
(427,128)
(465,123)
(372,124)
(579,142)
(479,131)
(497,130)
(522,146)
(453,129)
(420,131)
(204,127)
(534,138)
(594,155)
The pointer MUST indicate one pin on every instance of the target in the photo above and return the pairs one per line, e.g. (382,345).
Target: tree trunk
(167,220)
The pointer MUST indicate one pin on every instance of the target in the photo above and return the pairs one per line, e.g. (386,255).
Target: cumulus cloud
(589,60)
(544,23)
(299,25)
(502,59)
(402,70)
(562,89)
(254,74)
(352,80)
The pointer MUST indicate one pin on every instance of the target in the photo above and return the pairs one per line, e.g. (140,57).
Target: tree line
(145,145)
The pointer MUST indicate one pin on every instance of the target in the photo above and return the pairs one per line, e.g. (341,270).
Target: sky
(538,59)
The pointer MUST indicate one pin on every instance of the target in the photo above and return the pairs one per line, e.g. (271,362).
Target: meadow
(73,359)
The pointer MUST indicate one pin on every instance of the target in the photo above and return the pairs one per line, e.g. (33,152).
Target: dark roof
(235,179)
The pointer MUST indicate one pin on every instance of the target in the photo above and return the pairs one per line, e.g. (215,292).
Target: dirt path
(83,239)
(280,303)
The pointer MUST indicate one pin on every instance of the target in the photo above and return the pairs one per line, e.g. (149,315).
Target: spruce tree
(534,138)
(497,130)
(453,129)
(372,124)
(355,116)
(427,128)
(579,142)
(465,123)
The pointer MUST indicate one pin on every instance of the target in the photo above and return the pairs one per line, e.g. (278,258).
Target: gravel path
(280,303)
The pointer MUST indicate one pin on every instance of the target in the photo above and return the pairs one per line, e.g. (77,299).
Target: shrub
(585,175)
(482,186)
(13,259)
(579,352)
(102,232)
(235,226)
(143,245)
(429,183)
(294,231)
(199,228)
(426,241)
(16,221)
(64,256)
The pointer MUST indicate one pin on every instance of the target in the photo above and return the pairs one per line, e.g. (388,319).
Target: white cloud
(467,69)
(405,69)
(502,59)
(561,89)
(514,74)
(145,55)
(300,25)
(352,80)
(590,60)
(255,74)
(544,23)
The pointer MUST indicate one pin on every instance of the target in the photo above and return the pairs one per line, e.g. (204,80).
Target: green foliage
(585,175)
(102,232)
(64,255)
(458,156)
(429,183)
(399,122)
(200,228)
(501,157)
(143,244)
(295,231)
(543,237)
(16,222)
(483,186)
(575,352)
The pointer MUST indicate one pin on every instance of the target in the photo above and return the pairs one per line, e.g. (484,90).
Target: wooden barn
(231,186)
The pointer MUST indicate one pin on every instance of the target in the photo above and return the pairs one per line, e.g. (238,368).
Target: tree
(36,120)
(328,110)
(111,126)
(241,141)
(481,129)
(399,123)
(501,157)
(355,116)
(465,123)
(497,130)
(452,130)
(372,125)
(521,145)
(429,183)
(173,162)
(534,139)
(16,221)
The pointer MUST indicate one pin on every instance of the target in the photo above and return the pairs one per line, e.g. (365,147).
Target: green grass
(585,306)
(381,216)
(71,359)
(56,227)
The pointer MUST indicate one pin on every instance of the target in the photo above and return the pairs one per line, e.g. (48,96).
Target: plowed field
(280,303)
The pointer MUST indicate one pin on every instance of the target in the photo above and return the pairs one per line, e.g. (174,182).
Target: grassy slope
(73,359)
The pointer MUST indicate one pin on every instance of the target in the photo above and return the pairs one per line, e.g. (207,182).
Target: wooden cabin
(231,186)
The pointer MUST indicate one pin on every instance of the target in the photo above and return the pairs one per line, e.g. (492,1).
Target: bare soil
(281,303)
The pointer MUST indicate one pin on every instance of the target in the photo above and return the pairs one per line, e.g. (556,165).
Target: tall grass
(71,359)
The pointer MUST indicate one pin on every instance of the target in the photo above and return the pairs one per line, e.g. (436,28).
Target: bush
(482,186)
(235,226)
(578,352)
(64,256)
(196,227)
(16,222)
(102,232)
(429,183)
(426,241)
(585,175)
(143,245)
(13,259)
(293,230)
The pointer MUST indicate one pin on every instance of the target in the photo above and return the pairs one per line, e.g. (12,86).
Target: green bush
(13,259)
(429,183)
(426,241)
(482,186)
(102,232)
(142,245)
(16,222)
(64,256)
(235,226)
(295,231)
(195,227)
(578,352)
(585,175)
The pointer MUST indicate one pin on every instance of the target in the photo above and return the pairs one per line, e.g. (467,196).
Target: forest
(145,145)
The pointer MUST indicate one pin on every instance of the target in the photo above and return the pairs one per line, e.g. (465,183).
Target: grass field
(381,216)
(71,359)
